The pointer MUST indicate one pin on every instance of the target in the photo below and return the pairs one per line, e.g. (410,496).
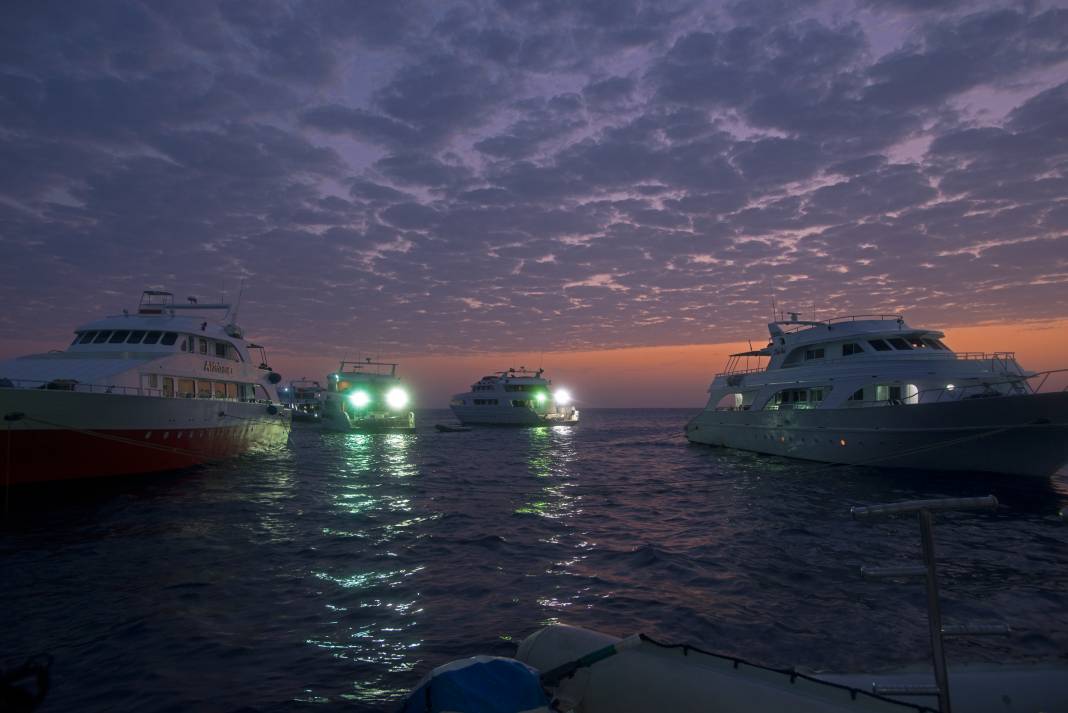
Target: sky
(613,189)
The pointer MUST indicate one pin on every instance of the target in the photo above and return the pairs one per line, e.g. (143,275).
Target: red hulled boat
(157,390)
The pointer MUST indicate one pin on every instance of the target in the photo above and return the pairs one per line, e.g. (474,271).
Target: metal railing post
(934,611)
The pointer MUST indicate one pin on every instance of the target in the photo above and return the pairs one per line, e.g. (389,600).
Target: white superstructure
(516,397)
(870,389)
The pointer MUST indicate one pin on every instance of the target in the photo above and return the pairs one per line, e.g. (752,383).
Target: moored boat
(367,396)
(873,390)
(304,397)
(159,389)
(516,397)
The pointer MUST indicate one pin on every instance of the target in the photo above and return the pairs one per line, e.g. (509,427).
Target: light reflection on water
(337,573)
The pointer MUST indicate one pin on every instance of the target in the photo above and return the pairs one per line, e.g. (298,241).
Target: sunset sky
(614,189)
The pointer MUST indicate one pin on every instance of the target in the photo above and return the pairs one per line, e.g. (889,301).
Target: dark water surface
(333,575)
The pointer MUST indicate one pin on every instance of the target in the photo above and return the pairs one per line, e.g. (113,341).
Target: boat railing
(865,318)
(68,385)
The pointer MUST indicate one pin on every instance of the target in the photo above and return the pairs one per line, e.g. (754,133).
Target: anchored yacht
(159,389)
(516,397)
(366,396)
(872,390)
(304,397)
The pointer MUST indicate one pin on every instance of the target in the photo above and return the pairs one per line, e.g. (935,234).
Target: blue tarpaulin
(480,684)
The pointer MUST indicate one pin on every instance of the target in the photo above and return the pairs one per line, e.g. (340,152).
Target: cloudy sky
(455,178)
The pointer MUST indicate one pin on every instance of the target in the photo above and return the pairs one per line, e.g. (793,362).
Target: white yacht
(872,390)
(366,396)
(516,397)
(160,389)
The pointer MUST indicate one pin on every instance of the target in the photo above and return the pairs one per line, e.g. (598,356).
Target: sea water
(333,574)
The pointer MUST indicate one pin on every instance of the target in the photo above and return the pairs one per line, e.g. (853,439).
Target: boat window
(485,402)
(220,349)
(851,348)
(168,386)
(119,336)
(899,343)
(152,337)
(886,392)
(187,388)
(814,353)
(246,392)
(231,391)
(203,389)
(232,353)
(135,337)
(220,390)
(88,337)
(77,338)
(857,395)
(932,343)
(942,344)
(917,343)
(879,345)
(169,338)
(203,343)
(520,404)
(101,337)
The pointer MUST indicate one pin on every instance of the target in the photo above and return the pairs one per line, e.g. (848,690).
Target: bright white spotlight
(562,397)
(397,398)
(359,399)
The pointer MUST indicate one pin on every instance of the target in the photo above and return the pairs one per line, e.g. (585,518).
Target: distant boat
(516,397)
(367,396)
(304,397)
(449,428)
(156,390)
(872,390)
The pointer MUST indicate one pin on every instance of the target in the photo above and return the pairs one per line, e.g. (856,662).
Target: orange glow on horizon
(668,376)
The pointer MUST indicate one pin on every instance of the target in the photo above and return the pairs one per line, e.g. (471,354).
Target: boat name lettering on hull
(215,367)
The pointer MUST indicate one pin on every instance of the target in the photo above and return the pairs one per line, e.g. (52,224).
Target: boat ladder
(929,572)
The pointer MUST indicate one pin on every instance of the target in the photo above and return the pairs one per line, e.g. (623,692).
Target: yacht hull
(508,416)
(1017,435)
(65,435)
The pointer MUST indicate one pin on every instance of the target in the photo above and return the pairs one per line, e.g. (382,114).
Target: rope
(793,674)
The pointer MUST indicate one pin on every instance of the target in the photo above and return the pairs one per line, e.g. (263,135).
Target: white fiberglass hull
(510,416)
(655,677)
(1018,435)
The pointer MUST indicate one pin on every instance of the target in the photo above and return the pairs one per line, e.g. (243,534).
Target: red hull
(42,455)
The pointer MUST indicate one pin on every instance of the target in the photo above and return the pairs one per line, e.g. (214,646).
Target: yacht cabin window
(879,345)
(169,338)
(933,343)
(851,348)
(203,343)
(220,349)
(119,337)
(135,337)
(857,395)
(231,391)
(203,389)
(88,337)
(152,337)
(917,343)
(816,353)
(899,343)
(186,388)
(220,390)
(168,386)
(101,337)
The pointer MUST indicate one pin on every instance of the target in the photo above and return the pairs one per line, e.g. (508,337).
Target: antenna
(237,305)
